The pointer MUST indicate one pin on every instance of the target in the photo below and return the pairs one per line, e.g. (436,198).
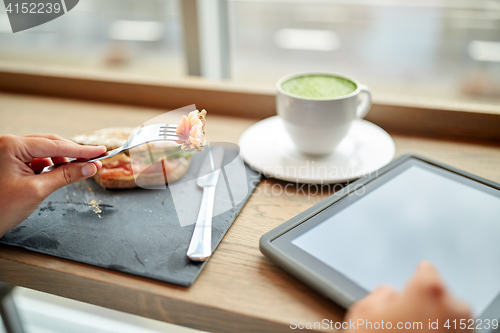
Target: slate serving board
(139,231)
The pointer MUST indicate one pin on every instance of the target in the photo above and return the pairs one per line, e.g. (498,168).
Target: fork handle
(52,167)
(108,154)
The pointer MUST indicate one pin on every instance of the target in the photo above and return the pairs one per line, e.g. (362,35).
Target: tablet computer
(376,230)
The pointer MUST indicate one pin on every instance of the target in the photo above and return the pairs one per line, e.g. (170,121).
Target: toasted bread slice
(112,137)
(115,137)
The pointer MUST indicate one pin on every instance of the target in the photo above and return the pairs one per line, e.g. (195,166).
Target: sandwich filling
(142,163)
(150,164)
(191,129)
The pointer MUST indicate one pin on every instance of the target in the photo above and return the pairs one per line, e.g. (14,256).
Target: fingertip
(92,151)
(427,268)
(385,293)
(101,148)
(89,169)
(428,281)
(385,289)
(425,264)
(98,164)
(462,309)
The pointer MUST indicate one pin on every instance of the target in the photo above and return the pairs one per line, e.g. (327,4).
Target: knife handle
(200,248)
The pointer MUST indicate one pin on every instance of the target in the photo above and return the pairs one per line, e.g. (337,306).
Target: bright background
(432,49)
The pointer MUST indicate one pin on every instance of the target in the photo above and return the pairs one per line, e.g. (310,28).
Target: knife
(200,248)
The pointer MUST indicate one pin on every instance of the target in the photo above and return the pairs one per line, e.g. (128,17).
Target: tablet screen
(417,215)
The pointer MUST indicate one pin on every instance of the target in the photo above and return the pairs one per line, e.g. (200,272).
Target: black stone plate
(139,231)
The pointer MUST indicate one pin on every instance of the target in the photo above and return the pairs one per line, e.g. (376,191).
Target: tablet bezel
(277,246)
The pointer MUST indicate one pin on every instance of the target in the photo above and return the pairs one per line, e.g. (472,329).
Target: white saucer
(266,147)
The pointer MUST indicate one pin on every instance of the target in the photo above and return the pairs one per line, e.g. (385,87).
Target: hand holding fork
(146,134)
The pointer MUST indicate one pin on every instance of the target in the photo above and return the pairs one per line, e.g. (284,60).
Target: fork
(146,134)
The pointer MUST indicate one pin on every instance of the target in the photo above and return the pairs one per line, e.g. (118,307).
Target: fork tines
(169,130)
(168,126)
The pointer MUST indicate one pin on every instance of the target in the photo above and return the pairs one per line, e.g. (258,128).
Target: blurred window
(428,48)
(132,36)
(419,48)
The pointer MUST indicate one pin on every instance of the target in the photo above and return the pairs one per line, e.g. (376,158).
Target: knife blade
(200,248)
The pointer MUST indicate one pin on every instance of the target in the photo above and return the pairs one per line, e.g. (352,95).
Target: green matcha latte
(318,87)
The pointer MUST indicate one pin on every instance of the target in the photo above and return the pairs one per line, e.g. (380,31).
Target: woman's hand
(22,191)
(424,298)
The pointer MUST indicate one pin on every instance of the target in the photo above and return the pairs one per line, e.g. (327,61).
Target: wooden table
(239,290)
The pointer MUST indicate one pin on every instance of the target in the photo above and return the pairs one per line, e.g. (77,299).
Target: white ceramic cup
(317,126)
